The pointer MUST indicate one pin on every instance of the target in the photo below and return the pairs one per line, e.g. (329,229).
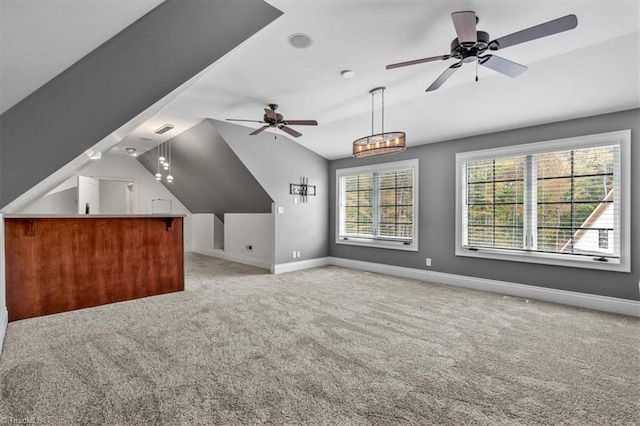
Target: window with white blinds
(377,205)
(549,202)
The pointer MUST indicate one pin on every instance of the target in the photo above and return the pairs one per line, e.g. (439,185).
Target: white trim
(564,297)
(583,300)
(300,265)
(382,244)
(413,164)
(274,269)
(621,138)
(4,320)
(586,141)
(567,260)
(233,257)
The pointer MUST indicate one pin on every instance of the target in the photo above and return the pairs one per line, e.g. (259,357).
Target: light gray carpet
(322,346)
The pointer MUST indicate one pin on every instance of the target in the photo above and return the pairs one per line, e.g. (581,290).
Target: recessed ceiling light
(300,40)
(347,74)
(132,152)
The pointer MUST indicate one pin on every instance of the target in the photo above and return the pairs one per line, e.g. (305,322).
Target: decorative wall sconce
(303,189)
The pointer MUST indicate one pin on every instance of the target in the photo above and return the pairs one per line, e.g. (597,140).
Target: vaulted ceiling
(590,70)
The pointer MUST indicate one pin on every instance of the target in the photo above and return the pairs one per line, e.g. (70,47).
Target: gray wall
(209,177)
(437,212)
(113,194)
(276,163)
(116,82)
(59,202)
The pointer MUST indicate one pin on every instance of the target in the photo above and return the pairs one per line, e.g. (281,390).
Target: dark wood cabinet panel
(61,264)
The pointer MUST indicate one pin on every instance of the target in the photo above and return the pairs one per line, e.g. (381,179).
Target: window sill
(393,245)
(585,262)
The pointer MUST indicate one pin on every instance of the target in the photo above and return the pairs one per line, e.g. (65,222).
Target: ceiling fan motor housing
(470,53)
(271,121)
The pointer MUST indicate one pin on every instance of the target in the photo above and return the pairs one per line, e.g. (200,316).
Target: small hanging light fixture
(169,160)
(379,143)
(158,174)
(164,153)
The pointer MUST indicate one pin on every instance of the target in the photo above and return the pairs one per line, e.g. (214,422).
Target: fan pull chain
(476,70)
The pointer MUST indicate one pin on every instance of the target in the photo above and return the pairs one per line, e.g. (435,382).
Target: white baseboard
(233,257)
(583,300)
(281,268)
(4,320)
(572,298)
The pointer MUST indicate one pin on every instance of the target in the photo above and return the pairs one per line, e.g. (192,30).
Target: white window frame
(369,242)
(621,138)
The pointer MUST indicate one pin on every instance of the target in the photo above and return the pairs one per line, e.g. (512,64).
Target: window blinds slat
(575,201)
(379,205)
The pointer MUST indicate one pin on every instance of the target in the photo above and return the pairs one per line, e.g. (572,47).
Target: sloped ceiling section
(277,161)
(117,82)
(208,176)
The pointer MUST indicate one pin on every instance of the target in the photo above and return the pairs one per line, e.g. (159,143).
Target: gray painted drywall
(113,194)
(276,163)
(437,212)
(208,176)
(218,233)
(58,202)
(116,82)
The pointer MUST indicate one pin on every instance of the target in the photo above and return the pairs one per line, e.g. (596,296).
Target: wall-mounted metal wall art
(303,189)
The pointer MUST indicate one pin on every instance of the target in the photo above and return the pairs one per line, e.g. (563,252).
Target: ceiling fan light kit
(471,45)
(382,143)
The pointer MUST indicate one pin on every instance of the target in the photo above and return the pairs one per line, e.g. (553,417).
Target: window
(377,205)
(563,202)
(603,238)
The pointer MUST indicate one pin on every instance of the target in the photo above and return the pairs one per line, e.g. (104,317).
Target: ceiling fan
(273,119)
(471,45)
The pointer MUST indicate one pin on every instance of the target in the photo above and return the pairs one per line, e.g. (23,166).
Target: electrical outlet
(298,254)
(280,210)
(428,261)
(294,254)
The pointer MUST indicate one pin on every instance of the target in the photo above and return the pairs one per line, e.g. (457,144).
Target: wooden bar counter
(61,263)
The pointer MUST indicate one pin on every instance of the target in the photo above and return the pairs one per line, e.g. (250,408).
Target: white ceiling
(590,70)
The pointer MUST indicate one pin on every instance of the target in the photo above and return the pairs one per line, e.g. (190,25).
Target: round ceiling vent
(300,40)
